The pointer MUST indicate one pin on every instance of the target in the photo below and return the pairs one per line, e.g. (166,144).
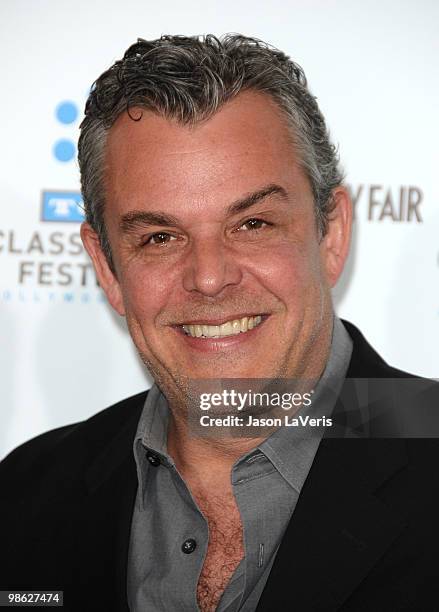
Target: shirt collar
(152,429)
(291,450)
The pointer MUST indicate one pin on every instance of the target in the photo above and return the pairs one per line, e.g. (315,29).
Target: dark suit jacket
(363,536)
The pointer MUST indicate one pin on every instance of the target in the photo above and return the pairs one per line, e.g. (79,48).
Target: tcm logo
(67,114)
(62,206)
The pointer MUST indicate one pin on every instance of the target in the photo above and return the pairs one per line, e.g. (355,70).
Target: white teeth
(226,329)
(229,328)
(236,325)
(213,331)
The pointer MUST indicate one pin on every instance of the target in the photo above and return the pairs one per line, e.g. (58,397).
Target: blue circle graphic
(66,112)
(64,150)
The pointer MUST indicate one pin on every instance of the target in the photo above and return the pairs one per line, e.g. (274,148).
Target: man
(217,222)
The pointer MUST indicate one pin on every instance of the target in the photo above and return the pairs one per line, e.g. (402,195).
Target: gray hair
(188,79)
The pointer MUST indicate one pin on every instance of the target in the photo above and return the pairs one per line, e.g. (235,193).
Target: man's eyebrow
(135,219)
(255,197)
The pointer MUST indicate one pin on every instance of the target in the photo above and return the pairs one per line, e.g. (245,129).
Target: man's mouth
(228,328)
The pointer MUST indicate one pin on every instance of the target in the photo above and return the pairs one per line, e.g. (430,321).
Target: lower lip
(209,345)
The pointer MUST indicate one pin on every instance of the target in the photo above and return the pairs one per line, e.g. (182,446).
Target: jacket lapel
(339,528)
(104,523)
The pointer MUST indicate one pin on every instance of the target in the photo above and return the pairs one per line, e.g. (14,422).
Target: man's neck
(205,459)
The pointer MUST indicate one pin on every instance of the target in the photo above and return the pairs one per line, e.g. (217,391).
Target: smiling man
(217,222)
(207,222)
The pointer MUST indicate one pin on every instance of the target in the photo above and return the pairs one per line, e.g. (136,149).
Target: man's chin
(225,367)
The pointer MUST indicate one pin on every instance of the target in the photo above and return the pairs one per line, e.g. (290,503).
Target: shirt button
(189,546)
(153,459)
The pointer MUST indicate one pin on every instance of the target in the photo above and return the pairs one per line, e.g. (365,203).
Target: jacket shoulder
(78,441)
(366,362)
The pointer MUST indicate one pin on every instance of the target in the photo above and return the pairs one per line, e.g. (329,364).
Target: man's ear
(107,279)
(335,244)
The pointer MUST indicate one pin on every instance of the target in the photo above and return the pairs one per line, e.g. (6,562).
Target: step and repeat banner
(374,69)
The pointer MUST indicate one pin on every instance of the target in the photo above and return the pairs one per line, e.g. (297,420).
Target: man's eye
(253,224)
(159,238)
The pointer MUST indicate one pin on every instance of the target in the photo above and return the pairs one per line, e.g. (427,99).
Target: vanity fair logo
(383,203)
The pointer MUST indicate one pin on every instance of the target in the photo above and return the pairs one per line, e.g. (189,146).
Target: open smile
(232,327)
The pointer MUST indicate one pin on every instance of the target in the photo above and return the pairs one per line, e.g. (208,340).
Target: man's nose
(210,268)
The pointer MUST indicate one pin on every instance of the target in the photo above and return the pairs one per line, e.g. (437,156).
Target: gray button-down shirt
(266,483)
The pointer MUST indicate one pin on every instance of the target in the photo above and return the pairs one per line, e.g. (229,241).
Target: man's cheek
(284,270)
(143,285)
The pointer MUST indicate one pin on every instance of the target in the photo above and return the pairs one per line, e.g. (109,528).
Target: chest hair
(224,551)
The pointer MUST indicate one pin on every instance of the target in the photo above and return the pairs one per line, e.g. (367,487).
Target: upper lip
(220,320)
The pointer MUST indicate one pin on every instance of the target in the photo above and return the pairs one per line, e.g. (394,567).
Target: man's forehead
(156,163)
(244,117)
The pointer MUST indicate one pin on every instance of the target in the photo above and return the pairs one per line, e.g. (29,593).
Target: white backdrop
(374,68)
